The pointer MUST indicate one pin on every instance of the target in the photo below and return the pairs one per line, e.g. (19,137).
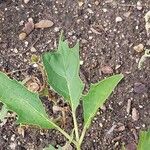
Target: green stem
(65,134)
(75,126)
(82,135)
(78,147)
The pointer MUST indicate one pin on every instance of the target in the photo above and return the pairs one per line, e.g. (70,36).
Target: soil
(103,42)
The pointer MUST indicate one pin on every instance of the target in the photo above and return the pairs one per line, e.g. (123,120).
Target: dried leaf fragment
(22,36)
(135,114)
(107,70)
(44,24)
(33,84)
(139,48)
(29,26)
(147,20)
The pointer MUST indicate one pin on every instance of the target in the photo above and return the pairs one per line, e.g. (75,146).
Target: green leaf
(62,69)
(97,95)
(144,141)
(26,104)
(3,112)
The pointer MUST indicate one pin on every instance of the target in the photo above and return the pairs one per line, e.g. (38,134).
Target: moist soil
(105,41)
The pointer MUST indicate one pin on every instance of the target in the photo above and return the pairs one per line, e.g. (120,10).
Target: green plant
(62,69)
(144,141)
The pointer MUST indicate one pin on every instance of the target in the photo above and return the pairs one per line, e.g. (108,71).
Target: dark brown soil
(103,42)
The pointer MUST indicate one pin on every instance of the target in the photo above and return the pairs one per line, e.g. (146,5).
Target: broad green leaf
(26,104)
(3,112)
(62,69)
(97,95)
(144,141)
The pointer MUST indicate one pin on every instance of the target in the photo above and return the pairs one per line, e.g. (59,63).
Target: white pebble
(118,19)
(26,43)
(15,50)
(12,146)
(81,62)
(33,49)
(104,10)
(139,5)
(56,29)
(90,37)
(35,65)
(26,1)
(21,22)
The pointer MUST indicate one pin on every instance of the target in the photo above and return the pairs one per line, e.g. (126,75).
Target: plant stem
(82,134)
(75,126)
(78,147)
(65,134)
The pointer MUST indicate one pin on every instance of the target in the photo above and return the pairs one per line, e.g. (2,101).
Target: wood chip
(147,25)
(139,48)
(135,114)
(128,109)
(44,24)
(94,31)
(22,36)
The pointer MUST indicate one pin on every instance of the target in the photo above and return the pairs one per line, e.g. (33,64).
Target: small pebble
(26,1)
(56,29)
(118,19)
(80,3)
(22,36)
(15,50)
(127,14)
(90,11)
(13,146)
(135,114)
(104,10)
(139,5)
(26,43)
(139,48)
(96,3)
(139,88)
(21,23)
(121,128)
(81,62)
(33,49)
(107,70)
(44,24)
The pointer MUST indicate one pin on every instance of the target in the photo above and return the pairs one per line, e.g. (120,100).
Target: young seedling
(62,69)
